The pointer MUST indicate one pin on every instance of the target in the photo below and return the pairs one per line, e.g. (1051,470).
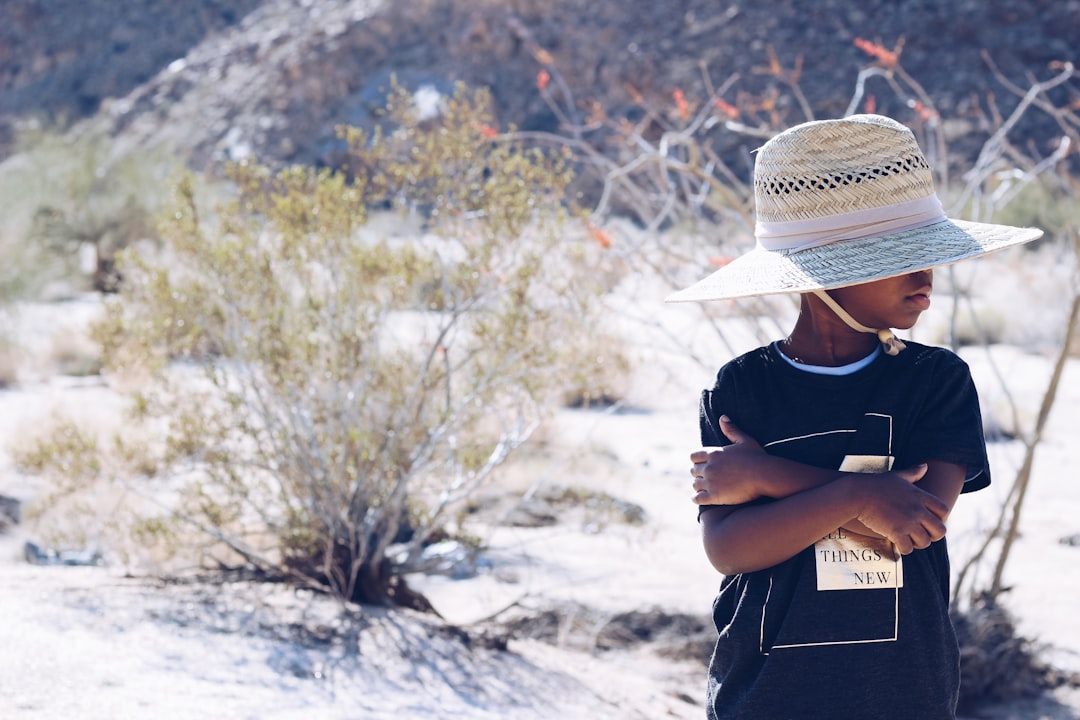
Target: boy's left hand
(728,475)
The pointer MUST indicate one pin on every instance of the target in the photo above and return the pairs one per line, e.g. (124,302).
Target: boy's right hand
(893,507)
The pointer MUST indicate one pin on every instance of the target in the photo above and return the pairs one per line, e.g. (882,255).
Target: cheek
(860,302)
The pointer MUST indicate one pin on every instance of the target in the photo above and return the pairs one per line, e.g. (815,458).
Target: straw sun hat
(842,202)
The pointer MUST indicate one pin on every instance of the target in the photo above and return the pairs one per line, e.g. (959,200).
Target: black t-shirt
(842,630)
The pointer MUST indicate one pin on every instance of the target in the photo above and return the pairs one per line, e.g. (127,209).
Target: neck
(889,342)
(821,338)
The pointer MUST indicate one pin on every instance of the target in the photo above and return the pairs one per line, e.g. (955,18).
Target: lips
(920,300)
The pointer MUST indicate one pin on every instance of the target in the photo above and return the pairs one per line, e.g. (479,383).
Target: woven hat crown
(843,202)
(831,167)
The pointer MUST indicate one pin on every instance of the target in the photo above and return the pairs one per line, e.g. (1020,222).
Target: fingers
(701,490)
(938,507)
(903,544)
(919,538)
(698,485)
(732,431)
(699,456)
(935,530)
(911,518)
(907,544)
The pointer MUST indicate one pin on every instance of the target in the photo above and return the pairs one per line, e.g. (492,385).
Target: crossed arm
(908,507)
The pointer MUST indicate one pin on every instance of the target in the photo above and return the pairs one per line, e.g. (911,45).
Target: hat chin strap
(891,344)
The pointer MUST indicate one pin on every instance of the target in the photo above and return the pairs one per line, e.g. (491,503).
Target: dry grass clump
(10,513)
(975,323)
(594,509)
(71,202)
(9,367)
(73,355)
(1015,297)
(996,663)
(573,625)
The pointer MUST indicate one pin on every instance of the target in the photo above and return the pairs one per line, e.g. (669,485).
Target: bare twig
(1023,476)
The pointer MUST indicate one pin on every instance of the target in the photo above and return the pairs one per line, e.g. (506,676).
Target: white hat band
(844,202)
(794,235)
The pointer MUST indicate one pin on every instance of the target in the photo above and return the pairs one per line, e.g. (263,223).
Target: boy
(833,457)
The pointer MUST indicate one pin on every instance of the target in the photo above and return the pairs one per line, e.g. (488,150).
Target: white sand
(86,643)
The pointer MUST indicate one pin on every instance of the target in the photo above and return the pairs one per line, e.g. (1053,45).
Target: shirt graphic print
(849,562)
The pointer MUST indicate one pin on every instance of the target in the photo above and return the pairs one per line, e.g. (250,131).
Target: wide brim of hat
(851,262)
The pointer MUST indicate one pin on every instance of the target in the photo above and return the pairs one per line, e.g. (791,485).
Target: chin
(907,325)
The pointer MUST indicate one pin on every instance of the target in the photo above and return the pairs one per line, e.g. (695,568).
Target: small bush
(74,356)
(70,203)
(319,384)
(9,367)
(594,510)
(973,324)
(1047,203)
(996,663)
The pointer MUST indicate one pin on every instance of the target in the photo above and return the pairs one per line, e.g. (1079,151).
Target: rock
(10,512)
(37,555)
(454,559)
(1071,540)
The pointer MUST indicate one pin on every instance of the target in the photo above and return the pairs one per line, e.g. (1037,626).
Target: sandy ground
(87,643)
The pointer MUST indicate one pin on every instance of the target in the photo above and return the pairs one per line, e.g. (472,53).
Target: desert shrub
(9,370)
(71,202)
(1049,202)
(16,269)
(594,510)
(973,323)
(71,355)
(81,508)
(997,664)
(68,448)
(677,636)
(327,391)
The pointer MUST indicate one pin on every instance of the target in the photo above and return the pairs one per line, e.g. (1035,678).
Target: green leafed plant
(71,202)
(329,392)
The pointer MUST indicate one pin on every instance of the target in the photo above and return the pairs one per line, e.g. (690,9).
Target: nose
(924,277)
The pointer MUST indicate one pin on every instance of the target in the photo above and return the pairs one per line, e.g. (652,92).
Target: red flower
(602,237)
(681,104)
(888,58)
(730,110)
(925,114)
(542,79)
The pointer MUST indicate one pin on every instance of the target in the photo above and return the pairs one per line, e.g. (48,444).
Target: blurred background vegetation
(349,262)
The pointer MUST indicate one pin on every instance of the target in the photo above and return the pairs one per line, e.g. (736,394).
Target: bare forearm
(760,536)
(809,502)
(781,478)
(778,477)
(744,538)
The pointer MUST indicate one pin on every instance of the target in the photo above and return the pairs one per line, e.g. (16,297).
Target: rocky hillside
(223,78)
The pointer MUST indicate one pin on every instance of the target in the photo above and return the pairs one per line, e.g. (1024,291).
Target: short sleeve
(723,398)
(949,425)
(709,419)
